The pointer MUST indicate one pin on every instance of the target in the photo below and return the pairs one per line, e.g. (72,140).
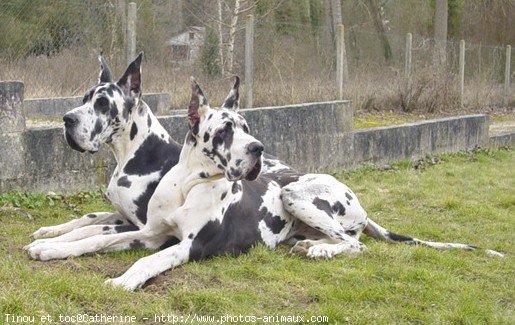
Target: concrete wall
(55,108)
(415,140)
(310,137)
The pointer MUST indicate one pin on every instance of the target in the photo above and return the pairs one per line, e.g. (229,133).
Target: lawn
(465,197)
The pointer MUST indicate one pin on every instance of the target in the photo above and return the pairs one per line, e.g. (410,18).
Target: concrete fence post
(407,55)
(12,126)
(249,61)
(507,73)
(131,32)
(462,72)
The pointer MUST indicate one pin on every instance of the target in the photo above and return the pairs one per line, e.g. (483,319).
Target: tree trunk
(220,39)
(375,12)
(232,36)
(440,33)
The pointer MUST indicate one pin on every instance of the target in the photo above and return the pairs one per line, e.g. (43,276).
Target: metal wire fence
(52,46)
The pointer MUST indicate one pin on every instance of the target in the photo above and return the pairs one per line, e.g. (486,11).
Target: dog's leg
(87,231)
(322,203)
(145,238)
(86,220)
(153,265)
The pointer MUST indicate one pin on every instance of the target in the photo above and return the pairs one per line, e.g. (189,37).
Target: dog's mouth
(74,145)
(254,172)
(71,142)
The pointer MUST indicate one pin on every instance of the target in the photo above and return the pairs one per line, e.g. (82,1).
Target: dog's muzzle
(70,122)
(256,150)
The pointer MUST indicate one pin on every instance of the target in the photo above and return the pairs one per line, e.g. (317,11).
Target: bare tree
(220,38)
(232,35)
(440,33)
(376,12)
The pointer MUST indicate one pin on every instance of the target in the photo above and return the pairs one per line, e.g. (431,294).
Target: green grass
(465,197)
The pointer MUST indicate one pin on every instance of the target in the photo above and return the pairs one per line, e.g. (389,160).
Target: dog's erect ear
(105,73)
(233,99)
(130,82)
(197,106)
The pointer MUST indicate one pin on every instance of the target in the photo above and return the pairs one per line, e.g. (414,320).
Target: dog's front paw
(34,243)
(45,232)
(46,252)
(325,251)
(121,282)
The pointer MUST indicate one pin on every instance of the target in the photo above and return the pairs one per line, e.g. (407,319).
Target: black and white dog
(217,200)
(113,113)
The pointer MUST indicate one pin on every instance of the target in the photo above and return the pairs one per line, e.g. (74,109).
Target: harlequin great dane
(215,201)
(113,113)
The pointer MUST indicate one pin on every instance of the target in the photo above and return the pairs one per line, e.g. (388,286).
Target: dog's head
(105,108)
(222,135)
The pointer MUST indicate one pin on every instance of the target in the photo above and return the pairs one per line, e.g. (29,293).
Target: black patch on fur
(204,175)
(275,223)
(398,238)
(323,205)
(127,107)
(106,228)
(235,172)
(351,232)
(206,137)
(136,243)
(96,130)
(238,162)
(190,236)
(235,188)
(348,196)
(154,154)
(149,121)
(134,130)
(124,182)
(170,242)
(87,97)
(338,208)
(91,215)
(126,228)
(222,197)
(114,111)
(299,237)
(347,202)
(118,222)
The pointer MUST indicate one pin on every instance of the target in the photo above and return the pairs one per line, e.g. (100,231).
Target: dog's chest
(128,192)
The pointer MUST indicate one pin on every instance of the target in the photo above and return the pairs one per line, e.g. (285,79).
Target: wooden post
(249,61)
(462,71)
(507,72)
(131,32)
(407,63)
(340,53)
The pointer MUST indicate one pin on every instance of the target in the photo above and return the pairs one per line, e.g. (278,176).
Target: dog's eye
(245,128)
(222,133)
(102,101)
(102,104)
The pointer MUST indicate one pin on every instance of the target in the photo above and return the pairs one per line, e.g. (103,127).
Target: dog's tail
(376,231)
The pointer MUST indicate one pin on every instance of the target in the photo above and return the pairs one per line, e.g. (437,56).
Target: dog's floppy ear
(105,73)
(130,82)
(233,99)
(198,104)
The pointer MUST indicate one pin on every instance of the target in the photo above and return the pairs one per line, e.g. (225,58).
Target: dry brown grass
(284,78)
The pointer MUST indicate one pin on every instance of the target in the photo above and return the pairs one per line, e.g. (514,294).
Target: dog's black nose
(256,148)
(70,120)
